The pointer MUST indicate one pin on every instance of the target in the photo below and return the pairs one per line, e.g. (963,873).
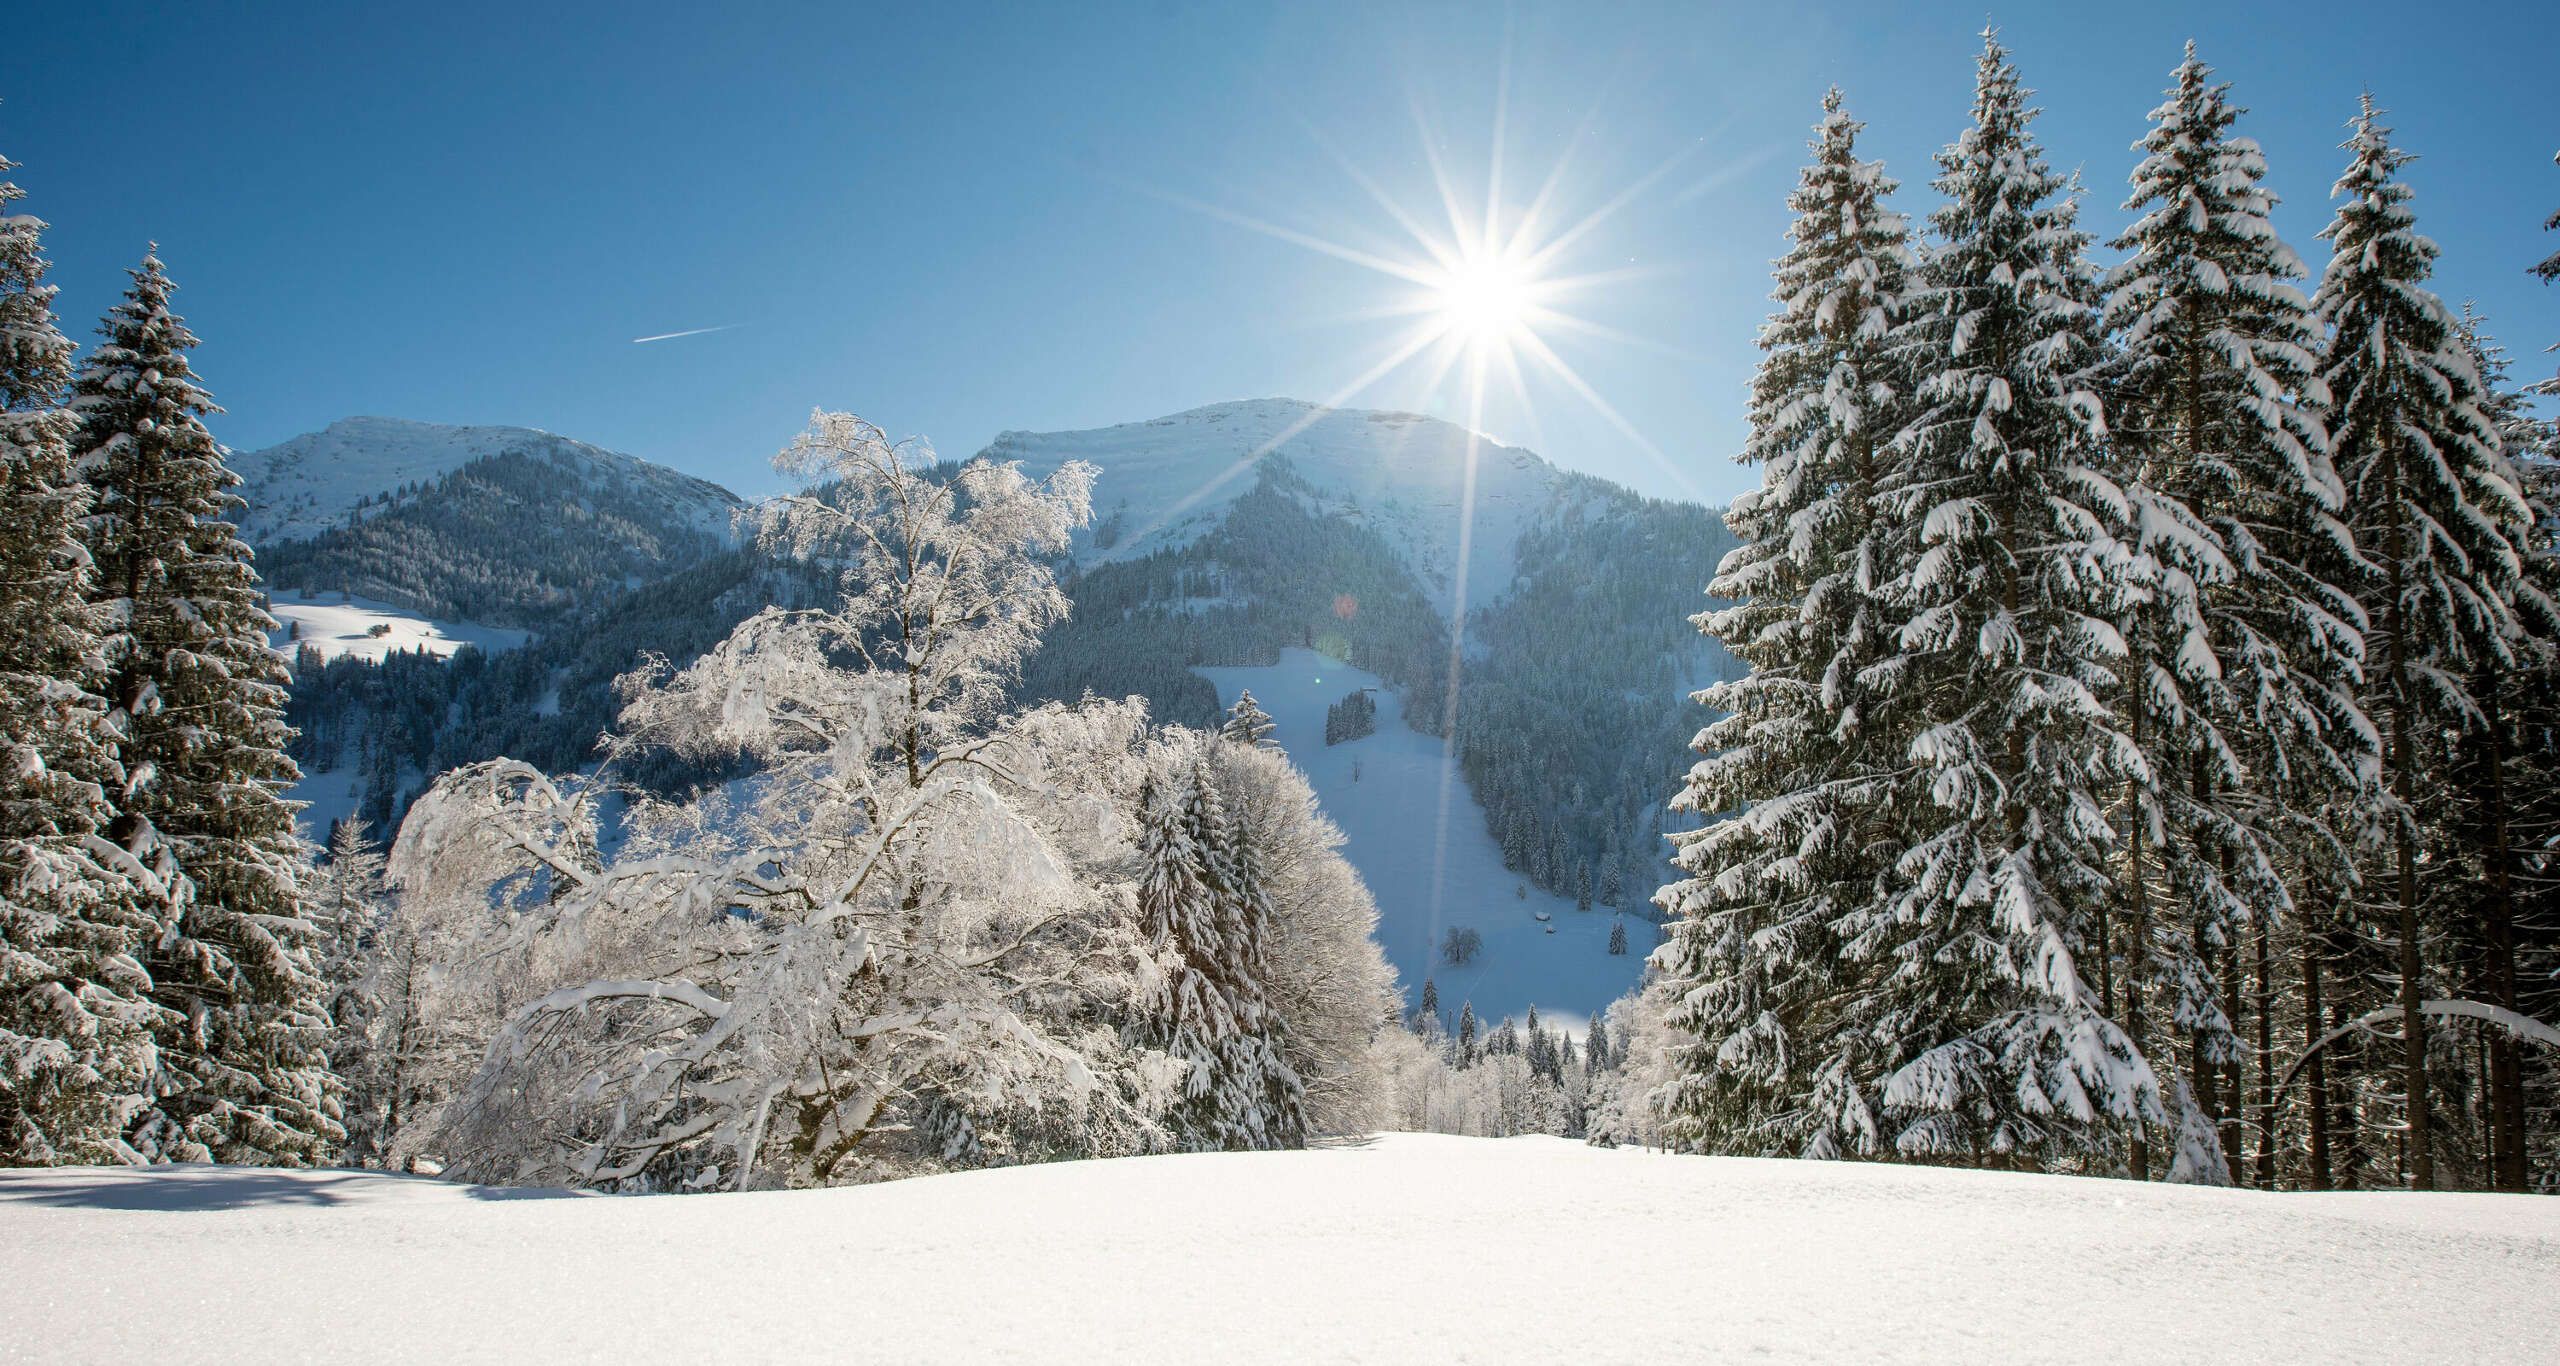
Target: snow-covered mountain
(1169,481)
(500,526)
(315,482)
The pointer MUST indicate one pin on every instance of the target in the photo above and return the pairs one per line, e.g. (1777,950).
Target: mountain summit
(496,525)
(1168,481)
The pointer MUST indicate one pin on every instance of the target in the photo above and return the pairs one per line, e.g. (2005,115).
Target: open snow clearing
(1405,1248)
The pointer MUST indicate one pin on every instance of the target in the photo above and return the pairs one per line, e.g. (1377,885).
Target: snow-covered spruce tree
(76,1058)
(2436,511)
(2007,583)
(2480,879)
(1248,724)
(1323,973)
(1781,1058)
(2243,636)
(1207,915)
(198,703)
(908,902)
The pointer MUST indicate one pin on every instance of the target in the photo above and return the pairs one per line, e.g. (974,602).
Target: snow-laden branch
(2524,1027)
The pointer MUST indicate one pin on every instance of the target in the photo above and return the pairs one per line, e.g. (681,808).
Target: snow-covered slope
(1429,875)
(1167,481)
(340,624)
(304,486)
(1411,1248)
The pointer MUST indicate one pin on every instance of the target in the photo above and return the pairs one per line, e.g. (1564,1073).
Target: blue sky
(957,220)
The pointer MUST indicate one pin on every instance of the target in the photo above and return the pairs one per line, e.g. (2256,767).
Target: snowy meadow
(2108,905)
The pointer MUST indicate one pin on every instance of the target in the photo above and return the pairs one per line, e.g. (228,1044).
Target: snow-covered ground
(339,624)
(1408,1248)
(1402,474)
(327,798)
(1429,875)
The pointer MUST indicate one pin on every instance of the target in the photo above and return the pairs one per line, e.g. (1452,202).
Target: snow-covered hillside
(1429,875)
(1167,481)
(340,624)
(304,486)
(1410,1248)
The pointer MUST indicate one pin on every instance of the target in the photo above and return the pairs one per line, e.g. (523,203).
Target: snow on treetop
(303,487)
(1167,481)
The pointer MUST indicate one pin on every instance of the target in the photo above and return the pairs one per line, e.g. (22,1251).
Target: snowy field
(1423,885)
(1411,1248)
(338,624)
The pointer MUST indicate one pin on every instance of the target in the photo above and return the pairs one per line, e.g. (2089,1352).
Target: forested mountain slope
(1229,532)
(501,526)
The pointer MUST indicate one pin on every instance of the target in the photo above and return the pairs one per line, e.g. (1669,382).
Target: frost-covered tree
(1205,908)
(76,1057)
(360,960)
(1623,1105)
(198,704)
(1804,742)
(1248,724)
(2243,636)
(2435,509)
(908,908)
(1323,974)
(1618,937)
(1988,1037)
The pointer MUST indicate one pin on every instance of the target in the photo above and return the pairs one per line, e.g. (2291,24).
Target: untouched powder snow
(1391,818)
(1407,1248)
(340,624)
(1169,480)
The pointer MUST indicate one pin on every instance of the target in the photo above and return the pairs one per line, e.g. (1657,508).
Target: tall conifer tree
(75,1039)
(1778,1059)
(2008,583)
(1197,903)
(2437,513)
(2243,634)
(198,698)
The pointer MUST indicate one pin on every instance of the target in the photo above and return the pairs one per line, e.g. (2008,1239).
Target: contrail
(671,336)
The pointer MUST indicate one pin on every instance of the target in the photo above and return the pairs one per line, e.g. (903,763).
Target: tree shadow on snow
(195,1187)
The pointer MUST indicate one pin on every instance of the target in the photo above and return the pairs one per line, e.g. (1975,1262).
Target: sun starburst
(1484,287)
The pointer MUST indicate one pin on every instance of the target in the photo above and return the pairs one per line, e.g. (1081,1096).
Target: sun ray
(1539,204)
(1573,380)
(1609,210)
(1450,203)
(1566,322)
(1423,336)
(1382,264)
(1413,226)
(1492,243)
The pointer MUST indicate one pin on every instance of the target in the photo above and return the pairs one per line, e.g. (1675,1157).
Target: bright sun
(1485,298)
